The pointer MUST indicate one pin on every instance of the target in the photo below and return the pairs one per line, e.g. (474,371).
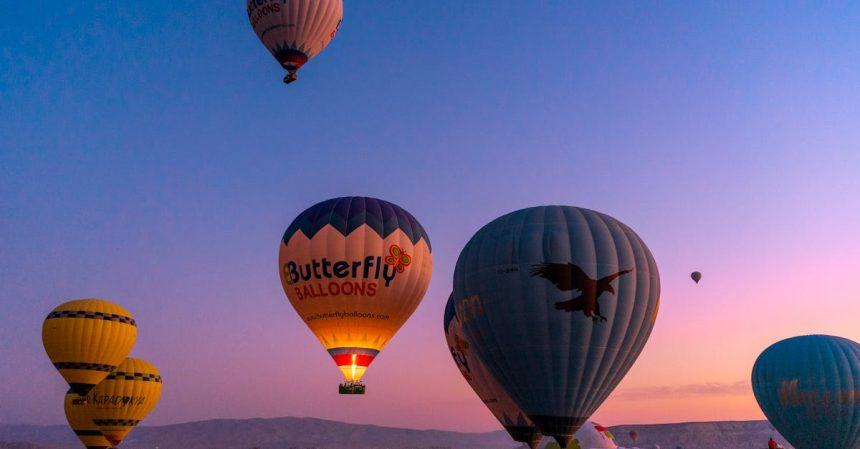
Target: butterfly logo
(398,258)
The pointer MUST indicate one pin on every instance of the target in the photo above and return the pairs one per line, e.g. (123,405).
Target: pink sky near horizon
(695,367)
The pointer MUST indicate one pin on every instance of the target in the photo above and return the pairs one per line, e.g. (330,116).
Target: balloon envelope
(808,389)
(80,419)
(634,435)
(86,339)
(488,390)
(557,302)
(295,31)
(124,398)
(696,276)
(355,269)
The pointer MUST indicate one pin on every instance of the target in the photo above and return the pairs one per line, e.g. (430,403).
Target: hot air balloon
(808,389)
(124,398)
(488,390)
(355,269)
(295,31)
(86,339)
(590,436)
(634,435)
(696,276)
(81,421)
(557,302)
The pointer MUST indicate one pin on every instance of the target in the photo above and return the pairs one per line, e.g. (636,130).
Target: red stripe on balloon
(346,359)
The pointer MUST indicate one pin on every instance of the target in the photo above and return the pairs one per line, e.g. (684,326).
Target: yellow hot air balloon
(81,421)
(124,398)
(86,339)
(355,269)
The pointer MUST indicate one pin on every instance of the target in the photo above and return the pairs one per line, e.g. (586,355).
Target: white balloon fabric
(295,31)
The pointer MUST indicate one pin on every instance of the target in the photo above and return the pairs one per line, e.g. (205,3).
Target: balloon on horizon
(295,31)
(86,339)
(557,302)
(514,421)
(590,436)
(121,401)
(807,387)
(354,269)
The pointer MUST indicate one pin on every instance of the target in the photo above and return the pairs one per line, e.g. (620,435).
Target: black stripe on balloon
(91,315)
(116,422)
(88,433)
(84,366)
(134,376)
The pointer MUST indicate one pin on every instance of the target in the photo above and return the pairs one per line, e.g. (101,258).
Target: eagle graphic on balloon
(568,277)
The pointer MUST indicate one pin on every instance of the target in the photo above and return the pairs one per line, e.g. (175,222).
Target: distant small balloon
(696,276)
(634,435)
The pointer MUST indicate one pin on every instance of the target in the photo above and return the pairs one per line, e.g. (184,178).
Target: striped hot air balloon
(295,31)
(81,421)
(355,268)
(121,401)
(557,303)
(809,389)
(86,339)
(520,428)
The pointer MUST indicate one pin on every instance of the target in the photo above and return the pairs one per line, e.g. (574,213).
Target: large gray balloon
(558,302)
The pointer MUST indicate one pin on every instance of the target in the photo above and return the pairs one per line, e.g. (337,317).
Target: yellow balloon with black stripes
(81,421)
(86,339)
(124,398)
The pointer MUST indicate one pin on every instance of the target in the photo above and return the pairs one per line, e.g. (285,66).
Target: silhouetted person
(771,444)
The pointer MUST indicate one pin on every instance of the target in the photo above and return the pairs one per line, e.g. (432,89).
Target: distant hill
(311,433)
(5,445)
(700,435)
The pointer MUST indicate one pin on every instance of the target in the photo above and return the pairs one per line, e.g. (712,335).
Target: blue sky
(150,154)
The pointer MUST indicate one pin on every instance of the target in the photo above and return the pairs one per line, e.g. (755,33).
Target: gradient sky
(149,154)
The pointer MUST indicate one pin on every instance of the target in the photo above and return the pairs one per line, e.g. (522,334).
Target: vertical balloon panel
(559,302)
